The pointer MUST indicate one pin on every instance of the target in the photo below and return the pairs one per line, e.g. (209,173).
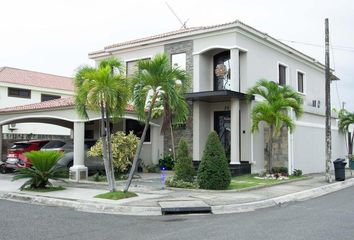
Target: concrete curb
(115,208)
(278,201)
(85,206)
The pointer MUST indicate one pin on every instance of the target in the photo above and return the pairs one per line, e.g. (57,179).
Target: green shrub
(43,169)
(123,150)
(172,182)
(167,162)
(184,169)
(297,173)
(214,172)
(281,170)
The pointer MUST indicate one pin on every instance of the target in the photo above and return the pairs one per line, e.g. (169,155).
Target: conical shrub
(184,166)
(214,172)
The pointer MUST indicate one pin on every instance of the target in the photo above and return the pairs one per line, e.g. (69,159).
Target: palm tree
(274,110)
(345,120)
(103,90)
(156,82)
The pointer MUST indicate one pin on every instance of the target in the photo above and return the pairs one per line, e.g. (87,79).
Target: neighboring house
(20,87)
(224,61)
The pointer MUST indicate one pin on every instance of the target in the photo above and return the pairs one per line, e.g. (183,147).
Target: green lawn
(247,181)
(116,195)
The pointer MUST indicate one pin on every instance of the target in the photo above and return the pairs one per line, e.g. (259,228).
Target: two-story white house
(224,61)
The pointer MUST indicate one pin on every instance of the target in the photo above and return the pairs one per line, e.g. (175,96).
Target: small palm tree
(156,82)
(345,120)
(43,169)
(103,90)
(274,110)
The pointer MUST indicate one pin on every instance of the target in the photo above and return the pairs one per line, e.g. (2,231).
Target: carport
(62,112)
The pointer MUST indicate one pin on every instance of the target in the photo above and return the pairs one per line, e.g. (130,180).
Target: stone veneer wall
(280,148)
(187,132)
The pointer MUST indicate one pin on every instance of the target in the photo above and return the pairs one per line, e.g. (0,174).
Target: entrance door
(222,126)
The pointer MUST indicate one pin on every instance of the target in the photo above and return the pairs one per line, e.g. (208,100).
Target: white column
(235,69)
(235,131)
(1,143)
(78,171)
(291,147)
(196,146)
(196,73)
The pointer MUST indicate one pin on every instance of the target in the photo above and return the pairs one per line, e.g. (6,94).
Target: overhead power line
(336,47)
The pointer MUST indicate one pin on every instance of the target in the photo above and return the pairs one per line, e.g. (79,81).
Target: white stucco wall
(34,128)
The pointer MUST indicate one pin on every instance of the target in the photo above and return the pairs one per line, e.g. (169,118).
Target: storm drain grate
(184,207)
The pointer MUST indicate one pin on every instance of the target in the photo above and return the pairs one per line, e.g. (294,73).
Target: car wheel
(2,169)
(70,164)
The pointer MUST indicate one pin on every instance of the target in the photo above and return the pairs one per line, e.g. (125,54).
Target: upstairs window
(48,97)
(19,93)
(300,82)
(282,75)
(222,71)
(131,66)
(178,60)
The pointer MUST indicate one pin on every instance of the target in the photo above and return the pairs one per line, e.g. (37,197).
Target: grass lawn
(47,189)
(116,195)
(247,181)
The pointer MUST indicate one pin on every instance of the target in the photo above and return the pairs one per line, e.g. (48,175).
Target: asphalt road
(327,217)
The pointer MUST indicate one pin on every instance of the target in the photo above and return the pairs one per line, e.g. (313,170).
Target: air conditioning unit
(12,126)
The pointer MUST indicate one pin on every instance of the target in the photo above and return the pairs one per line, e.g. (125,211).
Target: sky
(55,36)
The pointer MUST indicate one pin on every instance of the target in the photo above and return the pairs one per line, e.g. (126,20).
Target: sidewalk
(151,195)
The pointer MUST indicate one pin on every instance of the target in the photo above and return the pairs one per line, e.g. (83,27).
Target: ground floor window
(137,128)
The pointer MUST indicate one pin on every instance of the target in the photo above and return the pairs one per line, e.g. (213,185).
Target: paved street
(327,217)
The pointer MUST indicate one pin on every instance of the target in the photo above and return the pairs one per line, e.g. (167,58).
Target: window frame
(19,89)
(286,73)
(134,60)
(303,81)
(185,60)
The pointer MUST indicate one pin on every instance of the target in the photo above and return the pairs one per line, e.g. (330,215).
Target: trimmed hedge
(184,170)
(214,172)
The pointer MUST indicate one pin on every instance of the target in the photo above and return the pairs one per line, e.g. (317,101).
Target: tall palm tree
(274,110)
(157,82)
(103,90)
(345,120)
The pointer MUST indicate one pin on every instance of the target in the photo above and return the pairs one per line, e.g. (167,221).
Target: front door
(222,126)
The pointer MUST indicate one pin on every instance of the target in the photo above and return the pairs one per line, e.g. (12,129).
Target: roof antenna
(184,24)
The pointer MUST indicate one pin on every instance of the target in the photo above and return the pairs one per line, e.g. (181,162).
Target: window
(137,128)
(300,82)
(18,92)
(132,66)
(47,97)
(282,75)
(222,71)
(178,60)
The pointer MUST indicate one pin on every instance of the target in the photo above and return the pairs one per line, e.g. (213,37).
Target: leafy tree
(105,90)
(184,169)
(43,169)
(345,120)
(123,150)
(274,109)
(157,83)
(214,172)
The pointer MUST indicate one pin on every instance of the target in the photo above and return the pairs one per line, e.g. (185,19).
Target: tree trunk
(270,149)
(104,147)
(110,156)
(140,145)
(173,142)
(350,143)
